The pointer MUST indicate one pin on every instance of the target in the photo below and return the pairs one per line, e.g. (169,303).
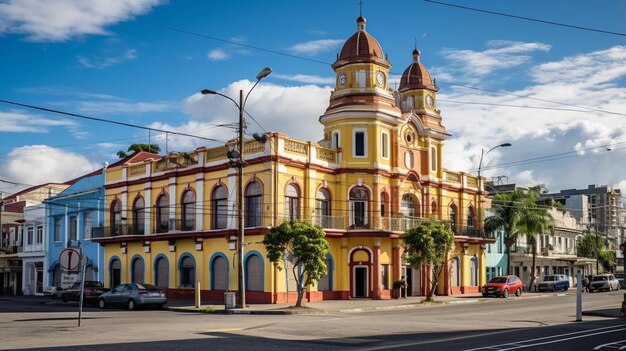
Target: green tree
(591,245)
(306,247)
(136,148)
(534,220)
(506,210)
(429,243)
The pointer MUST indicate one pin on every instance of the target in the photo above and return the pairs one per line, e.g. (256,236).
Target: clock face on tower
(429,101)
(342,79)
(380,78)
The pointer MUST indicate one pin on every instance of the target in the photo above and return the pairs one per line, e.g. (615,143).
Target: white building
(34,250)
(556,254)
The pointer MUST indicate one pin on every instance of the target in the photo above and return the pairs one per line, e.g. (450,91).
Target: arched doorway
(360,271)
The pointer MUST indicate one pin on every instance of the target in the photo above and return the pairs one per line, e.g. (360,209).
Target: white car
(603,282)
(53,291)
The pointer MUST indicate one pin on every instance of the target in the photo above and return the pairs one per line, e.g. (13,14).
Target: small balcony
(176,225)
(113,231)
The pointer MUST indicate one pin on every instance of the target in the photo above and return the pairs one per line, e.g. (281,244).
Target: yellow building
(378,170)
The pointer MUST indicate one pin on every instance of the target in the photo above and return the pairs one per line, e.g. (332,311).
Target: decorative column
(343,270)
(464,268)
(376,286)
(148,203)
(200,204)
(173,198)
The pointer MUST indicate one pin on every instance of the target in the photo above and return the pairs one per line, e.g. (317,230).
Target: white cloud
(305,78)
(51,165)
(276,108)
(217,55)
(579,139)
(316,46)
(104,62)
(125,107)
(501,54)
(14,121)
(60,20)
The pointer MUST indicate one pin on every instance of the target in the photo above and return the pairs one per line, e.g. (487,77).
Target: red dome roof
(416,76)
(361,47)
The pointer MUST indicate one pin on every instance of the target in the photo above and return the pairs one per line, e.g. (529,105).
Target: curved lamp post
(236,160)
(483,153)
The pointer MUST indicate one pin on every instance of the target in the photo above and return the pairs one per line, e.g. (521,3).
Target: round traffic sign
(69,259)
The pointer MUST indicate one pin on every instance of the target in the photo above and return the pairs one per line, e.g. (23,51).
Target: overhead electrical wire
(105,120)
(528,18)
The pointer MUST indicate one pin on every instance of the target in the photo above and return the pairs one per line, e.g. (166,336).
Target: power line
(105,120)
(528,18)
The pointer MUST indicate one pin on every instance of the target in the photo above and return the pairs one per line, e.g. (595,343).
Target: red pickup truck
(93,290)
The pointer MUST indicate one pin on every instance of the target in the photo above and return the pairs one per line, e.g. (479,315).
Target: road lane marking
(547,337)
(504,347)
(613,345)
(453,338)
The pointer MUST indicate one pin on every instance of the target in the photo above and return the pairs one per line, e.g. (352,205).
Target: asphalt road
(530,323)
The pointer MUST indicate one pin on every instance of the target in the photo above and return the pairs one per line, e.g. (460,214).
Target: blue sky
(115,59)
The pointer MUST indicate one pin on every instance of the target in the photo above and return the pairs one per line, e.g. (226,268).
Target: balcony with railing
(113,231)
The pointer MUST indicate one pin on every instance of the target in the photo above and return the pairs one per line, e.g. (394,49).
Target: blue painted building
(496,256)
(71,216)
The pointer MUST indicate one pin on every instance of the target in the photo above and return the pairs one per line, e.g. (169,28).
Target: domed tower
(361,96)
(418,102)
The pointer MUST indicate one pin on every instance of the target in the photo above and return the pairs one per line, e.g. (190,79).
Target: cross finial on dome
(360,23)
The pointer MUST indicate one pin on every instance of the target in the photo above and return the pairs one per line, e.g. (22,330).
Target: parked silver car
(603,282)
(133,295)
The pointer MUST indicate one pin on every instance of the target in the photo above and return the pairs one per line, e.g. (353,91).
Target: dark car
(503,286)
(133,295)
(93,290)
(554,283)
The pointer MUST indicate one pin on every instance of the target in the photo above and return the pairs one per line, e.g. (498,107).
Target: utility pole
(240,164)
(597,249)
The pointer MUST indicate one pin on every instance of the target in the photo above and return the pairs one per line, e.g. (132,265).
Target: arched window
(116,218)
(139,215)
(409,162)
(219,273)
(455,272)
(137,270)
(326,281)
(407,206)
(335,140)
(359,205)
(470,220)
(163,214)
(187,270)
(292,206)
(453,217)
(254,273)
(161,272)
(115,272)
(474,271)
(254,191)
(433,208)
(322,208)
(384,203)
(219,199)
(189,210)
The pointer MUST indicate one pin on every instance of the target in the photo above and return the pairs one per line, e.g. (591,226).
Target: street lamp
(482,154)
(236,160)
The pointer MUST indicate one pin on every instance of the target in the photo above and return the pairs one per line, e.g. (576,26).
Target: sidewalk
(327,306)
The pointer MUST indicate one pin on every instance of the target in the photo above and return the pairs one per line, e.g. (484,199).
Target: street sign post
(69,259)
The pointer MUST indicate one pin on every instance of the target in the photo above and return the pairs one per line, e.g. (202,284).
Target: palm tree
(137,148)
(534,220)
(505,213)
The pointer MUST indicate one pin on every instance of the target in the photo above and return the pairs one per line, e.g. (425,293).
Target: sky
(557,94)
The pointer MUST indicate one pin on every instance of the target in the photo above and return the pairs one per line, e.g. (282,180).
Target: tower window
(360,77)
(384,145)
(335,140)
(359,143)
(433,158)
